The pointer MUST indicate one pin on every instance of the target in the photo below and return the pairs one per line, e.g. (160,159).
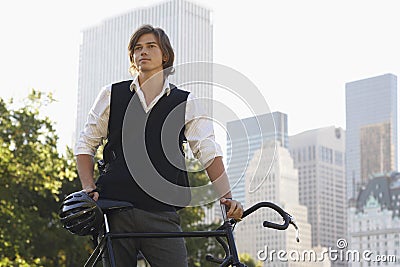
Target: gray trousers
(157,251)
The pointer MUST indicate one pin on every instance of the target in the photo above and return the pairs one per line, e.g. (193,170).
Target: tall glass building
(104,55)
(371,130)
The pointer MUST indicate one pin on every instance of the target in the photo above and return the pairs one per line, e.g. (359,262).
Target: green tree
(246,259)
(34,177)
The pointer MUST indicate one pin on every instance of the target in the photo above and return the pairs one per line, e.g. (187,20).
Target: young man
(152,98)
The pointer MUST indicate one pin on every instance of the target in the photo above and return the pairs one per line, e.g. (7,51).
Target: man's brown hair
(163,42)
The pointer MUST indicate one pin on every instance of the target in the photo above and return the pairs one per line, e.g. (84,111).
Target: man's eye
(137,48)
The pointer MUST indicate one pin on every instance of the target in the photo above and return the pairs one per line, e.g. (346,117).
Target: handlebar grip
(285,216)
(275,225)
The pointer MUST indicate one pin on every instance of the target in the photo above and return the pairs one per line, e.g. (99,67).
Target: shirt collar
(135,85)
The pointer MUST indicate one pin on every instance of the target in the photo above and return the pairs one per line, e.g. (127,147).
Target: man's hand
(92,192)
(235,208)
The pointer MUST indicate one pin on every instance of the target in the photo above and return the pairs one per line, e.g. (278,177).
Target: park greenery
(34,179)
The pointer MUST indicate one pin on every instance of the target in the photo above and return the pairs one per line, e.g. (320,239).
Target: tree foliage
(246,259)
(33,179)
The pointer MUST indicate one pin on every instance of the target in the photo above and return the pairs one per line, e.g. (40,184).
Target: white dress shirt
(199,130)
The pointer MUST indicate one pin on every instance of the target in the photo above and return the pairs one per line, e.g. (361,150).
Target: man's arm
(217,174)
(199,132)
(94,132)
(85,166)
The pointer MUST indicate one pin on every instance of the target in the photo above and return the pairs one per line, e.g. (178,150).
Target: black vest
(144,146)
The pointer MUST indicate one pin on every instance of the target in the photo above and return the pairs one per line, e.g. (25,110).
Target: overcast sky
(299,54)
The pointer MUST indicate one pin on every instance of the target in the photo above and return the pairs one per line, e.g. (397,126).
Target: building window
(338,158)
(313,155)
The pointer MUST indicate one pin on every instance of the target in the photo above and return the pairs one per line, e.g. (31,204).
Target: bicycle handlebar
(286,217)
(228,259)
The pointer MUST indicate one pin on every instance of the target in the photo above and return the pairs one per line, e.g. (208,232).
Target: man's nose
(144,51)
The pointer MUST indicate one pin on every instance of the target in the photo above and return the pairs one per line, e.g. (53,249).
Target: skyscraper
(247,135)
(282,188)
(371,130)
(104,55)
(319,156)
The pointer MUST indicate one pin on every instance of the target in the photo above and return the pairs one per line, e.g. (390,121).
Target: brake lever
(292,222)
(224,213)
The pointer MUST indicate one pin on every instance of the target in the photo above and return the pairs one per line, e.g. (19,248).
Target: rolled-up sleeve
(95,129)
(199,131)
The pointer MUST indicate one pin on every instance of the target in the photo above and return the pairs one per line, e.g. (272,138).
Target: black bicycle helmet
(80,214)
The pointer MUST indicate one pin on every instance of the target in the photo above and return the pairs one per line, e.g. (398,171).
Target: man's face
(147,54)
